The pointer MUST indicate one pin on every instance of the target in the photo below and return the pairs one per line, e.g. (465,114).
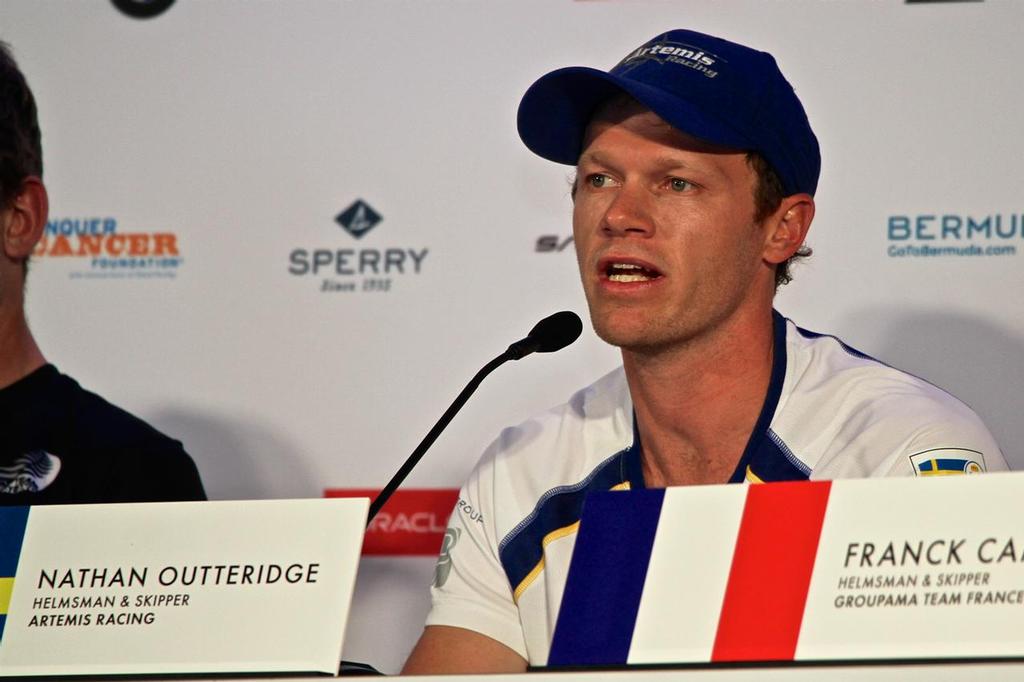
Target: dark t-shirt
(61,444)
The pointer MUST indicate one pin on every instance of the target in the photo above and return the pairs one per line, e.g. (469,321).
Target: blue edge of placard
(12,533)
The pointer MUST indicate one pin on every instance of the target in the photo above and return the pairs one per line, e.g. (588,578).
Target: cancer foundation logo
(97,248)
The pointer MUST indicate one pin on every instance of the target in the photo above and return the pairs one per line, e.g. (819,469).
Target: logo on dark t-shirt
(30,473)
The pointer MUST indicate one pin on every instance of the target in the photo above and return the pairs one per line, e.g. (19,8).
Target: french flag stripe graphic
(595,621)
(771,572)
(687,575)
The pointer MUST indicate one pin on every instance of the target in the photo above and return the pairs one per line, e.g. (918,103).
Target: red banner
(411,523)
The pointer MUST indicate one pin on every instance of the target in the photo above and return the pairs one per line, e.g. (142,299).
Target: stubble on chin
(637,335)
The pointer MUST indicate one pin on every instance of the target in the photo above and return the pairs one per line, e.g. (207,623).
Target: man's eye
(599,180)
(679,185)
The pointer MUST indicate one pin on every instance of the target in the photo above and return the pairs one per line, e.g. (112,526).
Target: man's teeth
(628,272)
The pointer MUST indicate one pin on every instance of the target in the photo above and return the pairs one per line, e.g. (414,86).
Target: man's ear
(787,227)
(25,219)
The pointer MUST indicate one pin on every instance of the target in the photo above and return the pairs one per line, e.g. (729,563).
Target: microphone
(554,332)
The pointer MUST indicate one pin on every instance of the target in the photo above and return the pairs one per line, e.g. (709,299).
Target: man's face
(665,234)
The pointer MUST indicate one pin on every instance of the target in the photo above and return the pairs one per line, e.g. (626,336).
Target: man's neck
(696,406)
(19,354)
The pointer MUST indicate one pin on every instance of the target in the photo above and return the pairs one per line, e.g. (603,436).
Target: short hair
(21,151)
(768,196)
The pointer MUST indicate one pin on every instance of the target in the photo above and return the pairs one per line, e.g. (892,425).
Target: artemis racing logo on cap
(676,53)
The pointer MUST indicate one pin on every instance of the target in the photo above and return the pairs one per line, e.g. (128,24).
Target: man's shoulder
(823,367)
(558,450)
(98,421)
(843,408)
(52,406)
(100,452)
(594,420)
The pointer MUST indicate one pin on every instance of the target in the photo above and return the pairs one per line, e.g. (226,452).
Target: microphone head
(555,332)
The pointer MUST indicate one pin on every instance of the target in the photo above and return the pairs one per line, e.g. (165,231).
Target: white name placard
(915,568)
(189,587)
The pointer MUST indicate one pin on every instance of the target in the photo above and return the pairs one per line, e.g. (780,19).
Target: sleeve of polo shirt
(470,589)
(948,432)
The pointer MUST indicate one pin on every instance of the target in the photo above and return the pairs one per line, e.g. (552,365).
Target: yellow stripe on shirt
(556,534)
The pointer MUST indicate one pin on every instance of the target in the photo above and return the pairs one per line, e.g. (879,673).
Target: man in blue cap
(696,172)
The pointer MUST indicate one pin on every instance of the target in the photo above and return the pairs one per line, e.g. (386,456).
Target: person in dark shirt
(59,443)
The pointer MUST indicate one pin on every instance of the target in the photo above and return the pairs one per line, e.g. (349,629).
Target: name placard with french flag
(872,569)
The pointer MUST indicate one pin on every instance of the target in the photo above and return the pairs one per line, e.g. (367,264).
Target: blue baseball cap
(710,88)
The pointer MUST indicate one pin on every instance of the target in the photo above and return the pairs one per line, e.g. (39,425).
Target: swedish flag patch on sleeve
(947,462)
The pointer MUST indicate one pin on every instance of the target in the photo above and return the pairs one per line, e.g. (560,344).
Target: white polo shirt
(830,412)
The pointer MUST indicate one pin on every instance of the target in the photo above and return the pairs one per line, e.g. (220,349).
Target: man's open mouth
(629,272)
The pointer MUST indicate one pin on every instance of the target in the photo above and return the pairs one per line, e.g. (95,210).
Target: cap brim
(556,109)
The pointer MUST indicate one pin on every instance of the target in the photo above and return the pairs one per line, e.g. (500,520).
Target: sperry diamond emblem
(358,219)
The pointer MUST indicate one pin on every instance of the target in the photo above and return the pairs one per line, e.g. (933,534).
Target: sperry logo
(358,219)
(677,53)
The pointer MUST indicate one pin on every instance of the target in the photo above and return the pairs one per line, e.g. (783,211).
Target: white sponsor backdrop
(244,127)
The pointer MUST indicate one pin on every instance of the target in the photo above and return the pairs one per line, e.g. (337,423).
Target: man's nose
(629,213)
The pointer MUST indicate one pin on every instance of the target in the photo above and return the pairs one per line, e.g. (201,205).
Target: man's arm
(445,650)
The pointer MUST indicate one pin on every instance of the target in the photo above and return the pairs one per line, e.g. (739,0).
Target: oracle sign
(412,522)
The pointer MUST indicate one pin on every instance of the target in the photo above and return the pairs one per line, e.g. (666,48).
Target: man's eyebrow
(673,161)
(662,163)
(591,157)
